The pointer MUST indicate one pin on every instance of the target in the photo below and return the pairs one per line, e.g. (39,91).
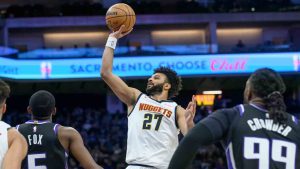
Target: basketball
(118,15)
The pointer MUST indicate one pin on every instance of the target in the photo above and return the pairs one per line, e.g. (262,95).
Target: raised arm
(125,93)
(17,150)
(72,140)
(185,117)
(190,112)
(181,120)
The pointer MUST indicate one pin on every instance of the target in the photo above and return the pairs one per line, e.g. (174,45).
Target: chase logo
(46,69)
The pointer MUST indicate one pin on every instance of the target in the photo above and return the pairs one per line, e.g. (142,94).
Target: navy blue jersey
(254,141)
(44,148)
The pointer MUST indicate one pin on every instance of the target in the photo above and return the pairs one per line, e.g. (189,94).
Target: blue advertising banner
(185,65)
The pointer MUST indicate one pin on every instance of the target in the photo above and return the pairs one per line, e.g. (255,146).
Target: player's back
(255,141)
(152,133)
(3,140)
(44,147)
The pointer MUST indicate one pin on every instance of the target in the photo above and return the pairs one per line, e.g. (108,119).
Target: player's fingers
(188,115)
(122,34)
(121,29)
(126,33)
(194,99)
(189,105)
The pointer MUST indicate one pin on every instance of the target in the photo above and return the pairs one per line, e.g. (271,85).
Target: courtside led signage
(143,66)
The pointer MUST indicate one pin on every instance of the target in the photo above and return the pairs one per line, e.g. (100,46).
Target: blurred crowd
(105,135)
(86,8)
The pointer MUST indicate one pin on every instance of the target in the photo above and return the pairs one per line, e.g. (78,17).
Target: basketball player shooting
(259,134)
(13,146)
(49,143)
(152,118)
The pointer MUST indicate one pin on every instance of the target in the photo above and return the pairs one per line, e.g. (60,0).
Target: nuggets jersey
(256,141)
(152,133)
(3,140)
(44,148)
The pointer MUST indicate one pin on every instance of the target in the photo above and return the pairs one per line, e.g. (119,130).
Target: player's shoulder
(142,95)
(4,125)
(21,127)
(226,113)
(66,131)
(15,135)
(232,110)
(294,120)
(136,93)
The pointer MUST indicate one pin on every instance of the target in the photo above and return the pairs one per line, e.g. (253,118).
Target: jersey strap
(240,109)
(295,119)
(135,104)
(55,128)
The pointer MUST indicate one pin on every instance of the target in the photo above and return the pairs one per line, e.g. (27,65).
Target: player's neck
(46,119)
(159,97)
(257,101)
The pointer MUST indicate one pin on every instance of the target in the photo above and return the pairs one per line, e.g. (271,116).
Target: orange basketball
(118,15)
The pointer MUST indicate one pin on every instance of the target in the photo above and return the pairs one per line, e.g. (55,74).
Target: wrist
(191,124)
(111,42)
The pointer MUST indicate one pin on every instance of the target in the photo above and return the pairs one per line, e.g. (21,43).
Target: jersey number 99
(261,149)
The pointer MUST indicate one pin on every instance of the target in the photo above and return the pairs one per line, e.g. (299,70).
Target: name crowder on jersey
(268,124)
(155,109)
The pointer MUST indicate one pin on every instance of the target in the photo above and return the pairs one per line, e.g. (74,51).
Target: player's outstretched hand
(120,33)
(190,112)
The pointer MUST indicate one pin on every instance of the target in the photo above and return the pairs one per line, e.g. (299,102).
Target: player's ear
(247,92)
(54,111)
(250,92)
(4,108)
(167,86)
(29,110)
(250,95)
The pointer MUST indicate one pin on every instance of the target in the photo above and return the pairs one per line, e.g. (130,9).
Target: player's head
(42,105)
(267,85)
(164,79)
(4,93)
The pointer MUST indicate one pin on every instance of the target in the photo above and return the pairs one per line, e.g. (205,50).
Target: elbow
(104,74)
(93,166)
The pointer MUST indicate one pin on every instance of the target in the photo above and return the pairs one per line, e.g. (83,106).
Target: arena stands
(31,34)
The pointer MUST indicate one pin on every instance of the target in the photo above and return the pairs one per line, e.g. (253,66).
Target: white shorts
(138,167)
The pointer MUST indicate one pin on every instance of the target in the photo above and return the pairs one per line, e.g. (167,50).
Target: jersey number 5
(260,149)
(31,161)
(148,118)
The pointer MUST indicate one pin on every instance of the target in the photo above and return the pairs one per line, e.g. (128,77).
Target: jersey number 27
(148,118)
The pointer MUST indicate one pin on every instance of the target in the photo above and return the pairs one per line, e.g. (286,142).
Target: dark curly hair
(172,78)
(4,91)
(268,85)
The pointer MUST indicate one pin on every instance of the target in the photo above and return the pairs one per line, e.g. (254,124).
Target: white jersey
(152,133)
(3,140)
